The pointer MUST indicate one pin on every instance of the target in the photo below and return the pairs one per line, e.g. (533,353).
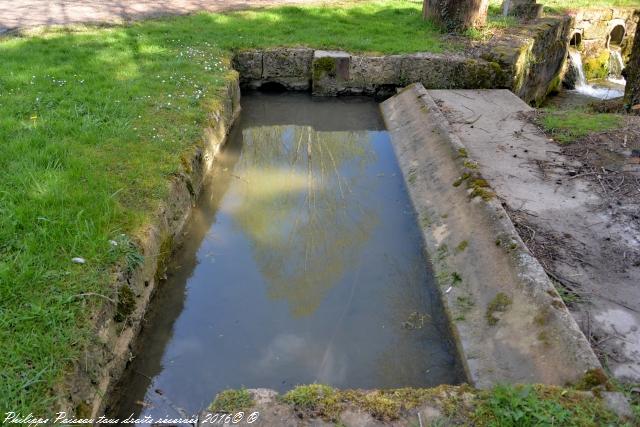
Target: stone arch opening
(617,35)
(272,87)
(576,40)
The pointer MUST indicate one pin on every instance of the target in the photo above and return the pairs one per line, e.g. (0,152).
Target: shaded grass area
(93,125)
(569,126)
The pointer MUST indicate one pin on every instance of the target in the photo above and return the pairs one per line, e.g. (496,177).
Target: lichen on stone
(499,304)
(324,65)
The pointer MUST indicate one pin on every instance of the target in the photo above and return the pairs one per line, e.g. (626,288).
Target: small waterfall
(616,65)
(505,7)
(583,86)
(576,60)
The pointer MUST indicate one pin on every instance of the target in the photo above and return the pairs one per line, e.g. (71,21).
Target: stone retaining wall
(340,73)
(595,31)
(534,56)
(94,377)
(527,59)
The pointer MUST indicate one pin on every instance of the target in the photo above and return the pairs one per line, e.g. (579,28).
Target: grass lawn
(93,123)
(569,126)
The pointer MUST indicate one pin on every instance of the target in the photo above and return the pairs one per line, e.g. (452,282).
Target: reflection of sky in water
(303,262)
(304,201)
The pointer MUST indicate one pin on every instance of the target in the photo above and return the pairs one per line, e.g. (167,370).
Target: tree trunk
(456,15)
(632,74)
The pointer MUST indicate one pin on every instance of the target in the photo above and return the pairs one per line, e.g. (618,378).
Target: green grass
(495,23)
(93,125)
(569,126)
(529,406)
(386,26)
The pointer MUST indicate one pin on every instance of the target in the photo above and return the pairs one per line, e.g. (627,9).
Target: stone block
(597,30)
(371,71)
(528,9)
(433,71)
(330,72)
(248,64)
(287,62)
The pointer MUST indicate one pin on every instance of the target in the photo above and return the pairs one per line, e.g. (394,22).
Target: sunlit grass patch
(569,126)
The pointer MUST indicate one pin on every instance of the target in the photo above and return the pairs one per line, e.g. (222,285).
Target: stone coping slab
(510,323)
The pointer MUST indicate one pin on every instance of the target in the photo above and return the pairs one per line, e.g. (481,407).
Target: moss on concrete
(597,66)
(503,405)
(322,401)
(324,66)
(232,401)
(462,246)
(499,304)
(480,188)
(594,378)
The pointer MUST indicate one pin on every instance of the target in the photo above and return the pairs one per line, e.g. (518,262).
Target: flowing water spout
(582,85)
(505,7)
(616,65)
(576,60)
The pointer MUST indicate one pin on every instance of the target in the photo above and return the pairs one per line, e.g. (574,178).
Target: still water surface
(303,263)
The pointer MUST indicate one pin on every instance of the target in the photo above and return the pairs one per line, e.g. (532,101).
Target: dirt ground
(597,264)
(576,207)
(20,14)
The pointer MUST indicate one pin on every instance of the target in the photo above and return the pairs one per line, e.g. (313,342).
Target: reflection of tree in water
(299,204)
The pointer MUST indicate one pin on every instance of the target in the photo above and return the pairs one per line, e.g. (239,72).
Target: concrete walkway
(21,14)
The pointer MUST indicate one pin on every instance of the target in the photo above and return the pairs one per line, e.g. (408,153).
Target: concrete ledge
(510,323)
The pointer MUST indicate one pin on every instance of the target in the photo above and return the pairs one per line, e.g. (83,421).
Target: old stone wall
(595,31)
(594,28)
(527,59)
(533,56)
(340,73)
(91,383)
